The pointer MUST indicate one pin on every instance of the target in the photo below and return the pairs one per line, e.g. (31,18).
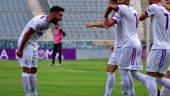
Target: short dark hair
(56,9)
(115,0)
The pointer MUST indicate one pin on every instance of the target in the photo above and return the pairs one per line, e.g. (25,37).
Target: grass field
(72,78)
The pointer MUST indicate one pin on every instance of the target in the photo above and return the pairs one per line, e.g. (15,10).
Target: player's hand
(88,24)
(106,21)
(19,53)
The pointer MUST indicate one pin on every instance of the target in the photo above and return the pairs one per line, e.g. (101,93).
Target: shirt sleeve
(35,24)
(122,9)
(116,17)
(151,10)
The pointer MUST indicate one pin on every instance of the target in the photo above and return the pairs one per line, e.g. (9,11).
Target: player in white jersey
(159,56)
(130,57)
(113,60)
(27,46)
(165,91)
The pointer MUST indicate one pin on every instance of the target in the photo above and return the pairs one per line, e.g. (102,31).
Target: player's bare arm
(100,24)
(26,37)
(108,10)
(143,16)
(94,24)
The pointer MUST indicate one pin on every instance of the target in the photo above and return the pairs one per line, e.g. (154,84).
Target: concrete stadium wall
(83,54)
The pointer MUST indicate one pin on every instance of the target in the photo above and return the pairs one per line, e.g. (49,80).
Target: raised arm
(101,24)
(150,11)
(109,10)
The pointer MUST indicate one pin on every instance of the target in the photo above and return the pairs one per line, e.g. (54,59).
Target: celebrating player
(159,57)
(113,60)
(131,50)
(27,46)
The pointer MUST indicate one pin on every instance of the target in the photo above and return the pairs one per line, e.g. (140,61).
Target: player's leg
(126,82)
(132,91)
(136,58)
(125,65)
(33,81)
(54,54)
(157,65)
(139,76)
(164,64)
(25,80)
(33,78)
(110,79)
(111,68)
(165,91)
(59,53)
(25,63)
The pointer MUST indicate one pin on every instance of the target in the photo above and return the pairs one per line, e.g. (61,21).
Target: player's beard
(55,22)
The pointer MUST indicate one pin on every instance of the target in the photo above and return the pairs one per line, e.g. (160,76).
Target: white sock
(165,91)
(139,76)
(125,82)
(164,81)
(33,81)
(110,83)
(132,91)
(151,85)
(26,83)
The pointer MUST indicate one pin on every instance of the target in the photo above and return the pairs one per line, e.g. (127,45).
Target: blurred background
(80,42)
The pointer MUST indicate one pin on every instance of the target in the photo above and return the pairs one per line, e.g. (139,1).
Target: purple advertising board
(67,54)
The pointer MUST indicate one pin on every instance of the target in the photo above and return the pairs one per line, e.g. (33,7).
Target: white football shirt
(118,31)
(39,24)
(160,26)
(129,25)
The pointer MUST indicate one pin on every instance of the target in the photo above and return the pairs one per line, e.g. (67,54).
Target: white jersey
(160,26)
(39,25)
(118,31)
(129,24)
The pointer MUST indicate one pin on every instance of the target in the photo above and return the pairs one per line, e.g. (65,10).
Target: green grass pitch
(72,78)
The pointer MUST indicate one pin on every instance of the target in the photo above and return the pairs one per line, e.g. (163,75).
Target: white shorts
(30,57)
(158,60)
(130,58)
(114,58)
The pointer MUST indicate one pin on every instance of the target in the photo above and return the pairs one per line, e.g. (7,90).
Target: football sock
(165,91)
(132,91)
(139,76)
(26,83)
(33,81)
(164,81)
(151,85)
(110,83)
(125,81)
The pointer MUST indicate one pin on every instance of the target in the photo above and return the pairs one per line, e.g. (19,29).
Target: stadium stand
(14,14)
(77,13)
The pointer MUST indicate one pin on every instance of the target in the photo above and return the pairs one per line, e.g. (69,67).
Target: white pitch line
(72,70)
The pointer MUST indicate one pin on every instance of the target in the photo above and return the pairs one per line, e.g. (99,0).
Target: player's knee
(168,74)
(111,68)
(155,74)
(33,70)
(124,86)
(26,70)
